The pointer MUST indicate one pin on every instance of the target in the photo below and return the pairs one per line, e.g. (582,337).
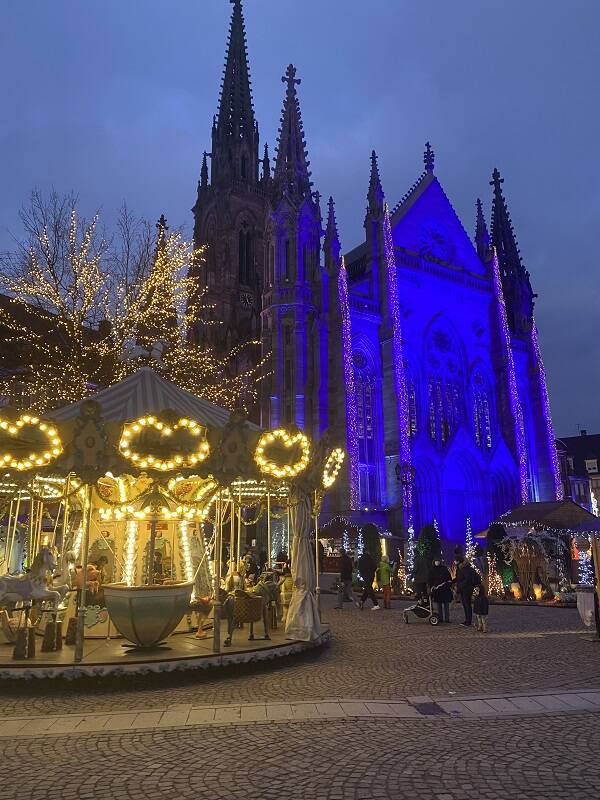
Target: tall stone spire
(331,245)
(291,173)
(266,164)
(482,237)
(235,131)
(428,158)
(375,195)
(516,286)
(204,172)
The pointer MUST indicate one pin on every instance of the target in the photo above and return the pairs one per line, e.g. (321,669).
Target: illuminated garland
(162,464)
(186,555)
(410,548)
(515,402)
(34,459)
(495,585)
(269,467)
(550,441)
(399,372)
(348,364)
(332,467)
(469,544)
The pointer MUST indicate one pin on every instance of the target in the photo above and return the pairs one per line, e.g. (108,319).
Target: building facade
(418,351)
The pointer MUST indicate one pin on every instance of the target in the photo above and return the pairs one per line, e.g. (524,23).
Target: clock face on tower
(246,299)
(435,243)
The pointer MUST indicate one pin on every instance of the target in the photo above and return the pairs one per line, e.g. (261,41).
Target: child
(481,607)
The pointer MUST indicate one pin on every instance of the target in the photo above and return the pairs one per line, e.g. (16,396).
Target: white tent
(143,393)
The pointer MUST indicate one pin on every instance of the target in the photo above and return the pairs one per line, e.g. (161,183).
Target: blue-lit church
(417,351)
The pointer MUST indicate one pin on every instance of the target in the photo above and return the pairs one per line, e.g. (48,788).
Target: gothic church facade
(417,352)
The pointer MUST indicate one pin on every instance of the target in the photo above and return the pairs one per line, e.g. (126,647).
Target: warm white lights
(165,464)
(288,440)
(332,467)
(52,449)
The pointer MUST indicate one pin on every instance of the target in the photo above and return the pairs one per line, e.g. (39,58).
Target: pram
(422,609)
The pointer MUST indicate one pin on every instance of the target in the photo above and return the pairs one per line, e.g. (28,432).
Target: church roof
(556,514)
(143,393)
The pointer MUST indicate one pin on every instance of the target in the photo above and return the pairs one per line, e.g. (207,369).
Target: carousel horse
(32,585)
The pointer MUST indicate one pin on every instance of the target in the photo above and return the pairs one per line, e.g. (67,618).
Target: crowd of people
(438,584)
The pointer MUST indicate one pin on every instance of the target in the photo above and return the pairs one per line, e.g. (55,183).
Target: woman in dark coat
(440,586)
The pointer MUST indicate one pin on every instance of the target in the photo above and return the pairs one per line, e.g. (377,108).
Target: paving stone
(551,702)
(254,713)
(200,716)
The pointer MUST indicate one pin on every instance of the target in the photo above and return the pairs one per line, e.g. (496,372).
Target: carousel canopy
(557,515)
(145,392)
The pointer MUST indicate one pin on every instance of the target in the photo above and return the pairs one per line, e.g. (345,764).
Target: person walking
(345,580)
(466,581)
(384,579)
(481,607)
(440,586)
(367,568)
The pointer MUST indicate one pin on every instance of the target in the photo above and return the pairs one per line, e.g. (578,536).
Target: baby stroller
(422,609)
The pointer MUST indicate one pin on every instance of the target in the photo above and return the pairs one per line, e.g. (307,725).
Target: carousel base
(106,657)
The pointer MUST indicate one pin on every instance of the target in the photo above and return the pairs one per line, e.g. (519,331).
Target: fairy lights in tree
(346,541)
(585,569)
(410,548)
(513,392)
(360,544)
(495,585)
(469,543)
(85,313)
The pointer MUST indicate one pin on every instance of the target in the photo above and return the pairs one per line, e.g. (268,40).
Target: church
(417,351)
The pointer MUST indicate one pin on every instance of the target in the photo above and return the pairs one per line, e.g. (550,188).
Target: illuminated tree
(86,312)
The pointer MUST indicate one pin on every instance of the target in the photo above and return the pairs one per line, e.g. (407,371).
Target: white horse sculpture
(32,586)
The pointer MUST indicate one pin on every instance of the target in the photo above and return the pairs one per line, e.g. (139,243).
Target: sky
(113,100)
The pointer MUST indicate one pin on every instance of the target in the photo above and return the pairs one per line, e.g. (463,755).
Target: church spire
(482,237)
(428,158)
(266,164)
(235,131)
(515,278)
(375,195)
(291,166)
(235,117)
(204,172)
(331,245)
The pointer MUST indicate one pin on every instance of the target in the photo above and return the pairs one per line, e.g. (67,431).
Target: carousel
(131,527)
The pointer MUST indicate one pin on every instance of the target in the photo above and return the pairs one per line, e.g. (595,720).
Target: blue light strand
(399,371)
(348,365)
(551,443)
(515,402)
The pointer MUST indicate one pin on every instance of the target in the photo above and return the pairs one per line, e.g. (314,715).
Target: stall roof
(556,514)
(145,392)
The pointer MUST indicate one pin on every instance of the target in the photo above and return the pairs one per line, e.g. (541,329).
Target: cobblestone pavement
(334,760)
(411,753)
(372,656)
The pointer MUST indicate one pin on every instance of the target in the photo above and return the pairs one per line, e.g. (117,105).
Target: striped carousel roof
(145,392)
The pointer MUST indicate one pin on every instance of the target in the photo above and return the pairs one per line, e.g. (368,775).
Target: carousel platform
(113,657)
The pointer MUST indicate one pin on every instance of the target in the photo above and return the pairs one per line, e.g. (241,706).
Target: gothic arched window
(444,387)
(366,408)
(481,413)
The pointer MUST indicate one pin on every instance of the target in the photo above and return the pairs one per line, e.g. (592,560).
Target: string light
(332,467)
(130,553)
(288,440)
(551,442)
(348,365)
(147,461)
(515,402)
(469,543)
(495,585)
(399,371)
(34,459)
(185,550)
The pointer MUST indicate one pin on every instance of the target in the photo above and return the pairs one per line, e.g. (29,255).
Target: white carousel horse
(32,586)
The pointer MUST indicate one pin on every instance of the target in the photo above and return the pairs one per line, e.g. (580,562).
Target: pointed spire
(204,172)
(266,164)
(482,237)
(235,117)
(332,247)
(161,236)
(375,195)
(428,158)
(291,165)
(517,289)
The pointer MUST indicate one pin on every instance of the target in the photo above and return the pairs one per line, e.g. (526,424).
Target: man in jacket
(345,580)
(440,586)
(366,568)
(466,581)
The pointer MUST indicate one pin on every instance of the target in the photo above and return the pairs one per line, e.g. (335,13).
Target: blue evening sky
(113,99)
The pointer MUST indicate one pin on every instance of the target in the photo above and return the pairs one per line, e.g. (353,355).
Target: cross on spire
(428,158)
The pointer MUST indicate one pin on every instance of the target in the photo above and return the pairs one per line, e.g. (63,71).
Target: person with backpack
(466,581)
(367,569)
